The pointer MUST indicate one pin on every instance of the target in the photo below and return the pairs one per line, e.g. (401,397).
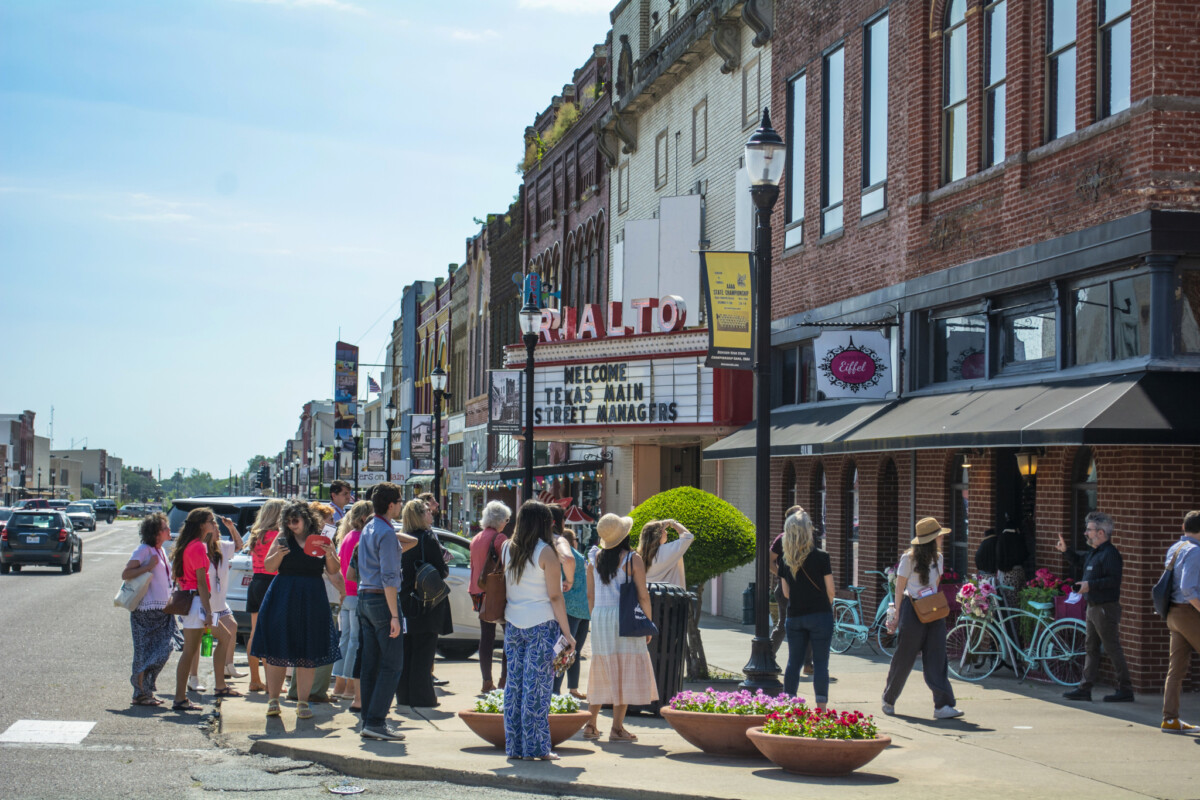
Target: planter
(490,727)
(820,757)
(716,734)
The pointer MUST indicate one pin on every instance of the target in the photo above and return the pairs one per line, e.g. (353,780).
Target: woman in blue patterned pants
(536,617)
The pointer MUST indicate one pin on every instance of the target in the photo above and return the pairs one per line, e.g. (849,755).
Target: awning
(421,477)
(1130,409)
(588,467)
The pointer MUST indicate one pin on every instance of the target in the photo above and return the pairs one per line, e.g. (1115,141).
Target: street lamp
(531,326)
(438,380)
(24,488)
(308,472)
(764,165)
(294,487)
(39,481)
(356,432)
(52,483)
(390,419)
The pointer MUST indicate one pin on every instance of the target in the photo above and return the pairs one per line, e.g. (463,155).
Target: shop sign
(853,364)
(663,391)
(728,287)
(644,315)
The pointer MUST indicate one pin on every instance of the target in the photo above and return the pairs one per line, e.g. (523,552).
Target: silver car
(82,516)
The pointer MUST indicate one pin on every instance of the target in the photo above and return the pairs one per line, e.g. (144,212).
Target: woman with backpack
(423,623)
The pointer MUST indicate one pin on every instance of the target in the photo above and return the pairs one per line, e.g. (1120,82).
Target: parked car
(81,515)
(105,507)
(40,537)
(32,502)
(135,510)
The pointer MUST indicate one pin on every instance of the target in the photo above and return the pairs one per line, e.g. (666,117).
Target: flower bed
(717,722)
(814,742)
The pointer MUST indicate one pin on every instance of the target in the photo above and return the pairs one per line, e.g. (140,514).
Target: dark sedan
(42,537)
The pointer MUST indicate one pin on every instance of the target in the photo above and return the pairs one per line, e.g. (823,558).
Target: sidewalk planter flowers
(821,743)
(976,597)
(487,719)
(716,722)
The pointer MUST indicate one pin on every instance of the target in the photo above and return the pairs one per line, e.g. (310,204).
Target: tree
(724,540)
(139,487)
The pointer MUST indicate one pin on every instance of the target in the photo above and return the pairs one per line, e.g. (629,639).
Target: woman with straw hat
(621,673)
(917,575)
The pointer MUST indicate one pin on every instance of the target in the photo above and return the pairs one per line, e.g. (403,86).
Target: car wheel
(68,567)
(78,567)
(5,568)
(455,650)
(16,567)
(110,520)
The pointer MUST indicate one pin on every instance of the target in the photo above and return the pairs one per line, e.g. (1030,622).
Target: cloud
(162,216)
(568,6)
(465,35)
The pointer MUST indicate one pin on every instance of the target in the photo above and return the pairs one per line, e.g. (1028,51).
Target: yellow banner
(728,287)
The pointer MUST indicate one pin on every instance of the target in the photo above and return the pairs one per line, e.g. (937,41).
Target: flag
(372,386)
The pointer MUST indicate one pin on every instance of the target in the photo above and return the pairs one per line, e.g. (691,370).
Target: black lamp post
(52,482)
(764,163)
(438,380)
(39,481)
(531,326)
(390,419)
(24,488)
(356,432)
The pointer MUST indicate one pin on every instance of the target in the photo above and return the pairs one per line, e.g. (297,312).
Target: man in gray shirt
(379,613)
(1183,619)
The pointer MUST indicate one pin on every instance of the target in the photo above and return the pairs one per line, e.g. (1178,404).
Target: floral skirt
(153,640)
(619,671)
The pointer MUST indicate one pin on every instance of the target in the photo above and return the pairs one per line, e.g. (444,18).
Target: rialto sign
(645,315)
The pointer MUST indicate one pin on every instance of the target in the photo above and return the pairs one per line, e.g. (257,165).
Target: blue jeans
(802,630)
(382,657)
(348,621)
(579,632)
(530,654)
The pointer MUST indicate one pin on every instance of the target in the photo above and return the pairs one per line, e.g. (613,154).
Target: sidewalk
(1014,738)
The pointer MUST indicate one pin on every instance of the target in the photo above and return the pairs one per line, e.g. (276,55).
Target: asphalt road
(65,654)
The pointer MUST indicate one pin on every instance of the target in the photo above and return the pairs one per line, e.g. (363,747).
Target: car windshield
(79,507)
(46,521)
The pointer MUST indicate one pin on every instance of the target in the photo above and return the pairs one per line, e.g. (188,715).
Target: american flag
(372,386)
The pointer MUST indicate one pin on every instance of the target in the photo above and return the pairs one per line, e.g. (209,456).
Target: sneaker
(1078,694)
(889,709)
(1176,726)
(440,681)
(946,712)
(1119,696)
(386,733)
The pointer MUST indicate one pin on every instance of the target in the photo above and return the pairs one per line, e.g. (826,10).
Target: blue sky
(196,195)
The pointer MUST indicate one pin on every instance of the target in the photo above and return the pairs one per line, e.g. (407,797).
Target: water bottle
(206,643)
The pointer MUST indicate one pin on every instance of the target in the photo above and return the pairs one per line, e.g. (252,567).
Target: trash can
(670,606)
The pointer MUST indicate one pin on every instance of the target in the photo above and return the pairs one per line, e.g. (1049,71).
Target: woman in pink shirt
(189,564)
(349,530)
(262,534)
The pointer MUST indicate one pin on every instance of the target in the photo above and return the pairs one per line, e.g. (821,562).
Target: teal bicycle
(848,626)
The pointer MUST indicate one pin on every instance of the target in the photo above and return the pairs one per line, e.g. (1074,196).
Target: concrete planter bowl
(716,734)
(490,726)
(817,757)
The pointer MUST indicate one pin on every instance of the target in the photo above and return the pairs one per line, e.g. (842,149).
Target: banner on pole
(421,442)
(345,394)
(375,453)
(728,285)
(504,401)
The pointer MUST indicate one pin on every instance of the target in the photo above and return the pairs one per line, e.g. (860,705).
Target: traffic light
(264,476)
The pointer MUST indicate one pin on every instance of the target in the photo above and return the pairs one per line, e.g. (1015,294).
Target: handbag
(428,585)
(495,591)
(632,620)
(931,607)
(180,603)
(1161,593)
(130,595)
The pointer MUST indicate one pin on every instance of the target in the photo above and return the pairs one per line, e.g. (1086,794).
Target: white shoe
(232,672)
(195,685)
(946,712)
(889,709)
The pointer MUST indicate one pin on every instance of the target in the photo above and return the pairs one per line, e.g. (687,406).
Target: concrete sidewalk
(1014,738)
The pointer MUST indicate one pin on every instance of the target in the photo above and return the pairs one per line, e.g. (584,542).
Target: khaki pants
(1184,623)
(1103,628)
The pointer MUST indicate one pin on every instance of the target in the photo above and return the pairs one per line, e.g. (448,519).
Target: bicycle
(976,646)
(848,627)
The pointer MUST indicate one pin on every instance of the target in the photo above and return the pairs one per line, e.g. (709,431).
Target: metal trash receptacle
(670,606)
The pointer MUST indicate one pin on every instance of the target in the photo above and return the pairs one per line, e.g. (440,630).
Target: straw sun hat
(612,530)
(927,530)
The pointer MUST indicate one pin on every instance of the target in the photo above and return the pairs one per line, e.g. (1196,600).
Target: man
(340,496)
(1101,585)
(1183,619)
(379,612)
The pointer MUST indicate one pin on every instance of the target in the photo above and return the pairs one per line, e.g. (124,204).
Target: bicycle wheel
(885,641)
(972,650)
(1062,651)
(843,636)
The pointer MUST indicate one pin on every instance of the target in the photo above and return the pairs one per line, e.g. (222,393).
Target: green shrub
(724,535)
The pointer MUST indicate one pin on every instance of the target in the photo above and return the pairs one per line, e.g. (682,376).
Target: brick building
(1005,193)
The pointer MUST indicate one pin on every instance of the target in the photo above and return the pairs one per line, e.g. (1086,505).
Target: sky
(196,196)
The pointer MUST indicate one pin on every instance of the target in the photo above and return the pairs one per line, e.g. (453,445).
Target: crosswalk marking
(46,731)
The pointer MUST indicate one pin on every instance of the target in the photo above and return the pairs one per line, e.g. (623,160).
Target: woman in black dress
(295,628)
(423,624)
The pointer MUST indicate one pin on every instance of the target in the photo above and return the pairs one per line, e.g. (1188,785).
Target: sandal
(590,731)
(184,705)
(621,736)
(146,700)
(257,687)
(273,708)
(227,691)
(302,710)
(551,756)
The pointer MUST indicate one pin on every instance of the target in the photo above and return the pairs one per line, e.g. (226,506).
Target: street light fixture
(308,473)
(39,481)
(356,432)
(438,380)
(390,419)
(531,326)
(764,164)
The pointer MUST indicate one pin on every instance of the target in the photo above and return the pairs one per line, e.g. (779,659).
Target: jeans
(579,632)
(1104,628)
(382,658)
(348,620)
(527,694)
(803,630)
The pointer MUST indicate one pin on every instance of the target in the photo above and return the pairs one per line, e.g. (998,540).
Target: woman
(262,534)
(423,624)
(494,520)
(536,619)
(153,631)
(575,597)
(621,673)
(349,531)
(335,594)
(807,581)
(664,559)
(189,564)
(917,576)
(296,629)
(220,554)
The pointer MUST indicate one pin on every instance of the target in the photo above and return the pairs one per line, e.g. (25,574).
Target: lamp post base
(762,671)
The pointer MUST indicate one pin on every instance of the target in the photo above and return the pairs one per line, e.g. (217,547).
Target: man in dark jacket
(1101,585)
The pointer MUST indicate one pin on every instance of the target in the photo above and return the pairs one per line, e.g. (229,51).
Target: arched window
(579,277)
(1084,485)
(960,471)
(954,92)
(816,509)
(850,523)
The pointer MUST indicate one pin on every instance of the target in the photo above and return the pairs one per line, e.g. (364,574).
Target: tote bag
(130,595)
(632,620)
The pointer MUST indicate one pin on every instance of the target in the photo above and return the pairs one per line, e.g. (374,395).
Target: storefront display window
(959,348)
(817,512)
(850,513)
(1028,339)
(959,517)
(1112,319)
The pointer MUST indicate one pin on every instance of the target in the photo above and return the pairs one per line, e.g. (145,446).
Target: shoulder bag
(428,585)
(130,595)
(1161,593)
(632,620)
(491,581)
(931,607)
(180,604)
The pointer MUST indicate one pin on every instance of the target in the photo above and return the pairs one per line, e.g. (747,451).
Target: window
(700,131)
(798,375)
(995,74)
(660,160)
(833,140)
(623,187)
(954,92)
(817,511)
(875,116)
(1116,52)
(1189,294)
(959,348)
(1027,338)
(1084,483)
(751,92)
(850,520)
(797,103)
(1111,319)
(960,495)
(1060,68)
(789,486)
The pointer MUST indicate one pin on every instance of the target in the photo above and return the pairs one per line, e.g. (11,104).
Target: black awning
(555,470)
(802,431)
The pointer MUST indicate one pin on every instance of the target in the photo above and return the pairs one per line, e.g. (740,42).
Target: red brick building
(1006,191)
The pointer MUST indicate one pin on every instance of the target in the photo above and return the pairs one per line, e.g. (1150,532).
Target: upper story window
(1116,55)
(700,131)
(875,116)
(995,78)
(752,104)
(660,160)
(954,92)
(623,187)
(959,347)
(1111,319)
(797,103)
(1189,296)
(1028,337)
(833,140)
(797,374)
(1060,68)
